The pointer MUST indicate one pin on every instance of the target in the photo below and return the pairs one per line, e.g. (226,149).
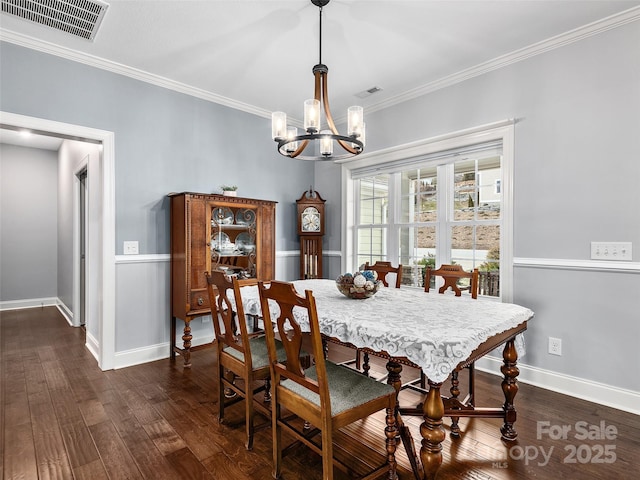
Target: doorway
(99,252)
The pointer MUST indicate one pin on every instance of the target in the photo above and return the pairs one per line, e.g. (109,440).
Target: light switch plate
(611,251)
(131,247)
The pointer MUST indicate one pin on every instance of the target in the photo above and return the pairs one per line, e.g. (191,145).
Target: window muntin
(372,245)
(419,193)
(374,200)
(446,213)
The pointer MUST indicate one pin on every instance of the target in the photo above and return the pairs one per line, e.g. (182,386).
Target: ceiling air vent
(368,92)
(77,17)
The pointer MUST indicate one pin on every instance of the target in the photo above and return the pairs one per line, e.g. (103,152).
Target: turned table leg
(432,432)
(509,388)
(186,343)
(394,379)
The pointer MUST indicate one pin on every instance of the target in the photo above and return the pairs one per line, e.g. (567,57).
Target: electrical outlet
(555,346)
(130,247)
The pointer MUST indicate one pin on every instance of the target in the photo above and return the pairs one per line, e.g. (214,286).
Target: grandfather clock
(310,229)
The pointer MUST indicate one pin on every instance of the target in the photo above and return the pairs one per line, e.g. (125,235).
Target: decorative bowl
(359,285)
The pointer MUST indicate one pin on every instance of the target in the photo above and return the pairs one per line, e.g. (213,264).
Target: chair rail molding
(577,264)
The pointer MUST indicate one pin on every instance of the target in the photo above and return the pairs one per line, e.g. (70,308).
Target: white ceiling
(31,140)
(258,55)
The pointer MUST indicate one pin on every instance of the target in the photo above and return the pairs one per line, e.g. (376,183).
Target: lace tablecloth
(434,331)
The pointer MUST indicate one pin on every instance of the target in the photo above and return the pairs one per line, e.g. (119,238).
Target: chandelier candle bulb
(326,143)
(362,137)
(354,122)
(278,125)
(292,132)
(312,115)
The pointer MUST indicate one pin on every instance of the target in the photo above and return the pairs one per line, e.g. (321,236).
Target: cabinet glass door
(233,240)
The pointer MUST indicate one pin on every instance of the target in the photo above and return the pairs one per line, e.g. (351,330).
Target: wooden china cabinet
(210,231)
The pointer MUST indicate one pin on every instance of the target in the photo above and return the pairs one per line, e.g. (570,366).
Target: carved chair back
(235,334)
(383,268)
(451,275)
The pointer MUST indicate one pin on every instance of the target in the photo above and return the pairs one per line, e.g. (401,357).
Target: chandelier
(290,144)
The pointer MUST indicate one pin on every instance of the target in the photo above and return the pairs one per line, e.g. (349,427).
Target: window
(443,207)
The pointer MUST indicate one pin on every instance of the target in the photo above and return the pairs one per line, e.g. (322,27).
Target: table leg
(509,388)
(432,432)
(186,342)
(394,379)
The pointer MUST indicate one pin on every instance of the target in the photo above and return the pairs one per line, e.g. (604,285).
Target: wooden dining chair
(328,395)
(384,268)
(242,358)
(452,274)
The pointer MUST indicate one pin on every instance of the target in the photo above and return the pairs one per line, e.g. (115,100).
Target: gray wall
(28,223)
(165,142)
(577,171)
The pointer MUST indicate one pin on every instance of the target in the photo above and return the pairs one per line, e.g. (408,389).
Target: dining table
(439,333)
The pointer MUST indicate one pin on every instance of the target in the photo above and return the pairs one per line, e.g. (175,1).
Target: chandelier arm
(317,136)
(300,149)
(327,111)
(317,91)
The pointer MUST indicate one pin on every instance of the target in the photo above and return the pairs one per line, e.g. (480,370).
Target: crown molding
(118,68)
(608,23)
(572,36)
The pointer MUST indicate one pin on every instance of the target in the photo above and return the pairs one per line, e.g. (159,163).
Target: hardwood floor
(63,418)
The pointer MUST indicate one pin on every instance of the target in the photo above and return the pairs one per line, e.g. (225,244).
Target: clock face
(310,220)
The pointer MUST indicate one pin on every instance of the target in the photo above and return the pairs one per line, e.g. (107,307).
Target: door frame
(79,223)
(104,249)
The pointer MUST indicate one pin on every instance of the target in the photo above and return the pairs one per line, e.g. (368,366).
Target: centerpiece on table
(359,285)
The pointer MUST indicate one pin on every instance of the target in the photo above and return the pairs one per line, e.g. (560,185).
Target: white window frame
(500,131)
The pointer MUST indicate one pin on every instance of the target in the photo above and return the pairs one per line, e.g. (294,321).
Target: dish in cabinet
(245,217)
(220,242)
(222,216)
(245,243)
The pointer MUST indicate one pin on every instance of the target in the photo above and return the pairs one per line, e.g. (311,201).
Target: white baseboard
(600,393)
(66,313)
(93,346)
(160,351)
(28,303)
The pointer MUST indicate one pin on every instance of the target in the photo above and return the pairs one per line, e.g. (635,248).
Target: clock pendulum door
(310,213)
(311,257)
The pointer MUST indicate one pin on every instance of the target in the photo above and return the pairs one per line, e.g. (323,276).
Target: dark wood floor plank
(19,452)
(144,412)
(115,456)
(91,471)
(79,443)
(150,460)
(93,412)
(164,436)
(185,462)
(51,456)
(200,439)
(17,410)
